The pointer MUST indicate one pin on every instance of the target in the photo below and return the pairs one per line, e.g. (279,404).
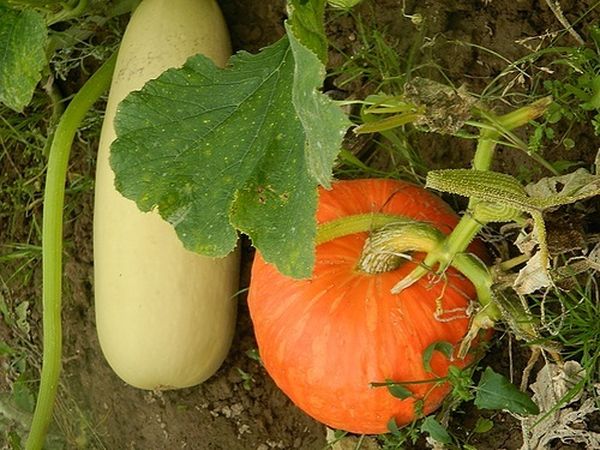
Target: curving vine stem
(52,247)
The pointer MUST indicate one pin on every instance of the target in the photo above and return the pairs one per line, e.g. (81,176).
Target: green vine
(52,240)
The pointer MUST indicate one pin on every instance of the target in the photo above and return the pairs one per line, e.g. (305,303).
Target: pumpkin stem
(387,248)
(390,245)
(358,223)
(393,238)
(488,312)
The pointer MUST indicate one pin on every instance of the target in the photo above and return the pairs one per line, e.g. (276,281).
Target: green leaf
(14,440)
(483,425)
(23,38)
(444,347)
(339,434)
(568,143)
(392,427)
(21,313)
(219,149)
(323,121)
(419,407)
(494,391)
(398,390)
(307,24)
(481,184)
(434,429)
(241,148)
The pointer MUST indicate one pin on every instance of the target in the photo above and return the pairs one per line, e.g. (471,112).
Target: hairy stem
(468,227)
(355,224)
(484,154)
(52,229)
(457,242)
(388,247)
(489,312)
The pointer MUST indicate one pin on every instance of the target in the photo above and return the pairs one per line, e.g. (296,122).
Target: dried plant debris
(593,258)
(565,189)
(532,277)
(445,109)
(560,417)
(550,192)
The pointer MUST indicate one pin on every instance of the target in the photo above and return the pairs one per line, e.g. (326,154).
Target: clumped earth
(240,407)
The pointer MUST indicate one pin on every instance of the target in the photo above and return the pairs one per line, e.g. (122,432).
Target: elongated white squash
(165,316)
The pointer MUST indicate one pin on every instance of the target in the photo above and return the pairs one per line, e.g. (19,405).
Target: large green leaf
(324,122)
(307,23)
(23,37)
(241,148)
(220,149)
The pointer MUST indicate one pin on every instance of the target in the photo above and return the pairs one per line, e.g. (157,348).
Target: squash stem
(466,230)
(504,124)
(386,248)
(358,223)
(451,245)
(52,229)
(482,280)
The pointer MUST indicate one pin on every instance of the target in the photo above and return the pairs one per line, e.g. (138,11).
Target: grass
(570,318)
(374,65)
(372,59)
(571,75)
(22,143)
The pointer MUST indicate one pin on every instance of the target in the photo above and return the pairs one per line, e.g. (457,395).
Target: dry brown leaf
(566,423)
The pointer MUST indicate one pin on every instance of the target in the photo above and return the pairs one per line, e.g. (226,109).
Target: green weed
(376,65)
(570,318)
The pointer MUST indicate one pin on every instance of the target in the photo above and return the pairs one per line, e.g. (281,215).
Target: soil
(240,407)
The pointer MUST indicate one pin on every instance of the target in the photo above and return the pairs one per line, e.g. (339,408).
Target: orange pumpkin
(326,339)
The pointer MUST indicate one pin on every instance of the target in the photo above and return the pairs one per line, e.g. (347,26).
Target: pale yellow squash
(165,316)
